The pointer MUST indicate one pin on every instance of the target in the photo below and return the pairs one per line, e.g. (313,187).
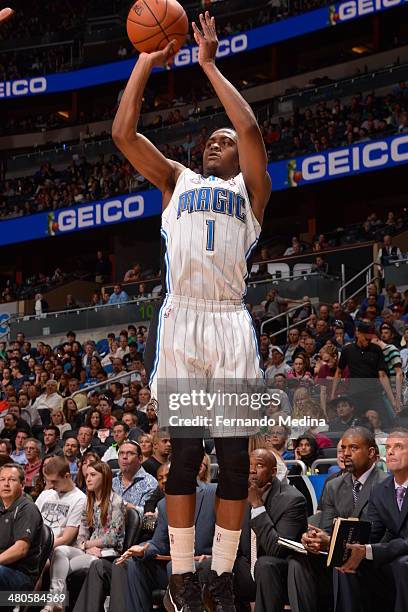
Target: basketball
(152,24)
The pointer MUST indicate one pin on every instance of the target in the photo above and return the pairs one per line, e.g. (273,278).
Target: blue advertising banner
(297,172)
(270,34)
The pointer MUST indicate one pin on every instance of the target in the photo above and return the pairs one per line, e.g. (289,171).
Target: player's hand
(164,57)
(6,13)
(206,39)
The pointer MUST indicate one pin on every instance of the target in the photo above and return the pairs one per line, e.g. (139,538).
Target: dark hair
(89,416)
(16,466)
(104,469)
(124,425)
(54,428)
(362,432)
(315,452)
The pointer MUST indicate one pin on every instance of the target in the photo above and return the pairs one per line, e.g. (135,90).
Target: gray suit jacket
(285,516)
(204,524)
(337,498)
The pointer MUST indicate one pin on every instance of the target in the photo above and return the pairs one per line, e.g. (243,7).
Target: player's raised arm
(5,14)
(142,153)
(251,149)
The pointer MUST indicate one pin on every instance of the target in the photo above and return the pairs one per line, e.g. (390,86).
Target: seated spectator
(292,345)
(118,296)
(141,418)
(279,435)
(70,453)
(117,390)
(372,290)
(320,266)
(120,433)
(300,370)
(18,455)
(144,397)
(52,440)
(20,532)
(6,450)
(133,483)
(131,421)
(161,452)
(375,422)
(143,573)
(151,413)
(32,449)
(123,348)
(80,399)
(101,530)
(341,315)
(40,482)
(62,503)
(277,363)
(105,407)
(58,419)
(150,507)
(72,416)
(87,443)
(346,416)
(274,510)
(29,413)
(83,463)
(387,253)
(307,450)
(48,400)
(10,427)
(323,333)
(146,446)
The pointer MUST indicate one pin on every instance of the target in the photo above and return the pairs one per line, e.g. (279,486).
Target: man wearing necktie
(386,557)
(274,510)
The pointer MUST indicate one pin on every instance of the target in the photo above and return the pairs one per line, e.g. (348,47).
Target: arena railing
(102,384)
(299,463)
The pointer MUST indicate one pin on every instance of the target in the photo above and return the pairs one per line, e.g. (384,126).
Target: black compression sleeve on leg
(233,462)
(186,457)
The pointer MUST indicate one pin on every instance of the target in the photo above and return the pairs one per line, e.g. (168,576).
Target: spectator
(320,266)
(120,433)
(134,274)
(117,389)
(58,419)
(20,532)
(70,452)
(73,389)
(161,452)
(62,504)
(10,428)
(144,399)
(300,370)
(277,364)
(345,415)
(133,483)
(279,435)
(32,449)
(388,253)
(18,455)
(293,344)
(51,440)
(118,296)
(48,400)
(83,464)
(29,413)
(146,446)
(86,442)
(375,422)
(71,414)
(307,450)
(101,529)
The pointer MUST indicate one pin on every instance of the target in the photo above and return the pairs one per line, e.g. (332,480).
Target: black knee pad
(233,470)
(186,458)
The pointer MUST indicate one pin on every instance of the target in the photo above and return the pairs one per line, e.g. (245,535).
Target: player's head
(221,154)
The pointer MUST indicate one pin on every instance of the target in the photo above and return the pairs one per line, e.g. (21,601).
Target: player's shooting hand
(206,39)
(164,57)
(6,13)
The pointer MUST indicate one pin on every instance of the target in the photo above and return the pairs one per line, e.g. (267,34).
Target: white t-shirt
(60,511)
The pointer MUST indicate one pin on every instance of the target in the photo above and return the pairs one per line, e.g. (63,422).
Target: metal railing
(368,279)
(297,462)
(332,461)
(103,383)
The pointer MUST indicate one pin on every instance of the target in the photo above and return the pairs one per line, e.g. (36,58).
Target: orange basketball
(152,24)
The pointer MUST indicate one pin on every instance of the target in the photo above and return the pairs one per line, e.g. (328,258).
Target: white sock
(224,550)
(182,549)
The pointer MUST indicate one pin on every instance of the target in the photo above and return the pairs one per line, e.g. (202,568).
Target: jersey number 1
(210,235)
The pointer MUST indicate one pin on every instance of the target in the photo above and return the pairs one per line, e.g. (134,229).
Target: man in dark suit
(131,581)
(274,510)
(309,580)
(387,554)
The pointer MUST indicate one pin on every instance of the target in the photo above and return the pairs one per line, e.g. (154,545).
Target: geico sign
(23,87)
(92,215)
(236,44)
(345,161)
(357,8)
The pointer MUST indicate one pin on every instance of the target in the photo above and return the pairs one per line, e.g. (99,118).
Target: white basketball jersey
(209,231)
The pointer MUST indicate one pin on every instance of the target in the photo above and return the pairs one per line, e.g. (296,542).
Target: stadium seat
(303,484)
(301,269)
(279,270)
(214,472)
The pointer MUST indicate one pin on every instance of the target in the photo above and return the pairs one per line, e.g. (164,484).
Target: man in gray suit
(310,582)
(274,510)
(384,571)
(138,572)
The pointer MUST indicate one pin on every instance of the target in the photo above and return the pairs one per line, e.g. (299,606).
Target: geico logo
(355,8)
(93,215)
(371,155)
(226,47)
(22,87)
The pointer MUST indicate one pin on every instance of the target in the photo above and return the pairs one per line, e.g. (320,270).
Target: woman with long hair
(72,416)
(94,419)
(40,482)
(83,463)
(58,419)
(300,370)
(101,532)
(77,370)
(306,450)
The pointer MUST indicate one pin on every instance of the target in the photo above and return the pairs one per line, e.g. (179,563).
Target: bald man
(274,510)
(5,14)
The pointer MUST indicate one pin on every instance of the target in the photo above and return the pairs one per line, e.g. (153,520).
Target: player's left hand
(206,39)
(358,553)
(5,14)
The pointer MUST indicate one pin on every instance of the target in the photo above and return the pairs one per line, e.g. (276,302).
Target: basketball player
(210,225)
